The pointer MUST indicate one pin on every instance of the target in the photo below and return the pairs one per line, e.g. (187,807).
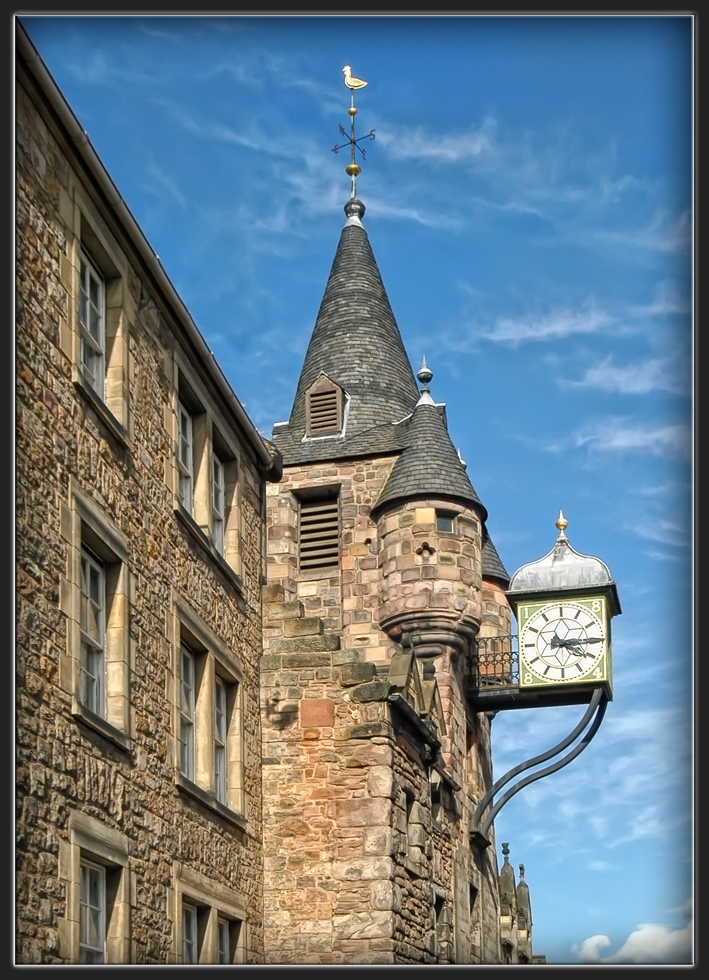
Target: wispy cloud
(95,69)
(204,129)
(663,531)
(637,378)
(664,232)
(619,436)
(558,324)
(649,943)
(475,145)
(165,181)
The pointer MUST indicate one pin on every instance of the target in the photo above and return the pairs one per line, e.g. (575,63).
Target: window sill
(105,414)
(201,538)
(98,724)
(208,800)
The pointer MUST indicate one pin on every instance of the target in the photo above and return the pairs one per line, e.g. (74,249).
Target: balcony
(492,679)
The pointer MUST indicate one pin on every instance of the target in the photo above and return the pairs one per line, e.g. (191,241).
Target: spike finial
(561,522)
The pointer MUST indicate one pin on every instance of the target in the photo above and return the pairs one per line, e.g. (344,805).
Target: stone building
(243,715)
(139,506)
(381,576)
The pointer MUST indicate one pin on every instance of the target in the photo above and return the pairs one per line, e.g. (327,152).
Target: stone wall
(357,871)
(68,448)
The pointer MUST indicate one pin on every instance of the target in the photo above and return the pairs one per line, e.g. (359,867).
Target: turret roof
(357,344)
(492,566)
(429,466)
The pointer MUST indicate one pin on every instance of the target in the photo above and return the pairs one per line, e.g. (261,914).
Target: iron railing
(493,662)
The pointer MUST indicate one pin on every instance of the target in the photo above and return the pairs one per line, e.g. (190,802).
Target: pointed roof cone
(523,906)
(506,881)
(429,466)
(357,344)
(492,566)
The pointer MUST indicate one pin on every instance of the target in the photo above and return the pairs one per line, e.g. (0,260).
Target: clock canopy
(565,570)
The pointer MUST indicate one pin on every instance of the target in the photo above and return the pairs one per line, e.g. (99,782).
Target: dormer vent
(324,404)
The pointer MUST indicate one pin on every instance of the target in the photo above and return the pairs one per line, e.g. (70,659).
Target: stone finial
(506,852)
(521,871)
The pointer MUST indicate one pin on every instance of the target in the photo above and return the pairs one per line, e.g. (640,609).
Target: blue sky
(529,204)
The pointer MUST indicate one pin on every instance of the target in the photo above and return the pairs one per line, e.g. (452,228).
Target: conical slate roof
(492,567)
(429,465)
(357,344)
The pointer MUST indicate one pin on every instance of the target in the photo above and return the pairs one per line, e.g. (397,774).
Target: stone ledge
(292,609)
(306,644)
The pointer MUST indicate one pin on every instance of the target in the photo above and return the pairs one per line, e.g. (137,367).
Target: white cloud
(166,182)
(615,435)
(649,943)
(416,144)
(638,378)
(663,531)
(555,325)
(663,233)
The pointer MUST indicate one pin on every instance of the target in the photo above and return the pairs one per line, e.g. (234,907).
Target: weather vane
(352,169)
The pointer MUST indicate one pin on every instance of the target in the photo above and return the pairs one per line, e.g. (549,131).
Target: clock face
(562,643)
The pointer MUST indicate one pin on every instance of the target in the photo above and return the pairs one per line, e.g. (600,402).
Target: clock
(563,642)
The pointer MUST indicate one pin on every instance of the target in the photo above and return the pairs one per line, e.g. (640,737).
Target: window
(186,734)
(92,324)
(444,521)
(218,504)
(92,913)
(208,717)
(95,337)
(94,871)
(207,474)
(190,948)
(210,922)
(95,597)
(220,747)
(323,408)
(319,532)
(223,943)
(93,633)
(184,458)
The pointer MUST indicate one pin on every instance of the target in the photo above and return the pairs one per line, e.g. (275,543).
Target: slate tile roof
(357,344)
(429,465)
(492,567)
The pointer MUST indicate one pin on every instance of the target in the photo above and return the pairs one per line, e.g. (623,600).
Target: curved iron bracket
(478,832)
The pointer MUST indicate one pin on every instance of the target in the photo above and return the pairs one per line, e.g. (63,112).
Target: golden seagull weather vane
(353,169)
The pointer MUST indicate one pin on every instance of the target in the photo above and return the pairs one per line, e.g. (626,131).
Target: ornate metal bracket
(478,831)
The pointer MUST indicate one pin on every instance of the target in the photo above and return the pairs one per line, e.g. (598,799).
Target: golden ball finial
(353,170)
(561,521)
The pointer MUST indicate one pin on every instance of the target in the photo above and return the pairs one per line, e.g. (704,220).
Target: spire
(524,908)
(357,344)
(429,466)
(506,883)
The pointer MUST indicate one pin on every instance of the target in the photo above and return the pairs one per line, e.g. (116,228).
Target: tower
(380,576)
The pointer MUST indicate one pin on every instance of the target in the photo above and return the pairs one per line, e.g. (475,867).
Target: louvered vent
(319,533)
(324,408)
